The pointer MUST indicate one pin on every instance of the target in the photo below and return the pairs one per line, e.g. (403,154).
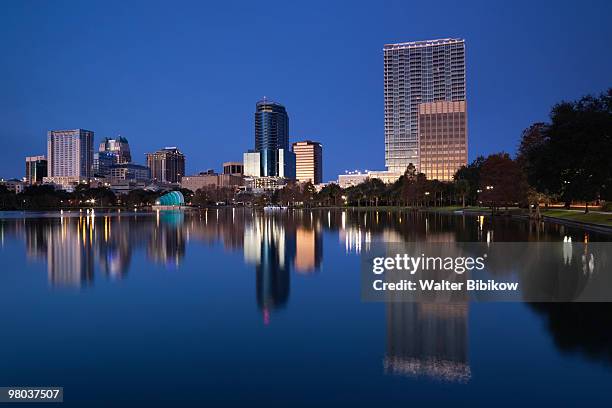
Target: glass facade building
(119,147)
(35,169)
(285,164)
(102,163)
(271,134)
(415,73)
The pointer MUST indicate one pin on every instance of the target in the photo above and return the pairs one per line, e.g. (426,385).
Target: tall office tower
(119,147)
(415,73)
(167,165)
(70,153)
(308,161)
(35,169)
(271,135)
(442,139)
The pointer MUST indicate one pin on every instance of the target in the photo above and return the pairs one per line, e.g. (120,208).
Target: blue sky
(189,73)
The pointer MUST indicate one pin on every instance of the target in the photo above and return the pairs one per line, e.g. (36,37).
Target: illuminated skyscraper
(167,165)
(308,161)
(272,141)
(442,139)
(111,151)
(416,73)
(119,147)
(70,153)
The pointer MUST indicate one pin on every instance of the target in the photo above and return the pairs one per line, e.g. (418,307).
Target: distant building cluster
(425,124)
(71,161)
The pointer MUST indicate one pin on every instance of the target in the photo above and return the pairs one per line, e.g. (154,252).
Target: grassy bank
(598,218)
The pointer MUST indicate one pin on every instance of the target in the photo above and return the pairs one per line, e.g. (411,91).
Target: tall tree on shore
(471,174)
(462,189)
(571,156)
(501,181)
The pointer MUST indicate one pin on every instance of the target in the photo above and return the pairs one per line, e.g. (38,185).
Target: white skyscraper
(416,73)
(70,156)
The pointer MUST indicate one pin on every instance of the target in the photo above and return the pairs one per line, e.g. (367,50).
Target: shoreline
(474,211)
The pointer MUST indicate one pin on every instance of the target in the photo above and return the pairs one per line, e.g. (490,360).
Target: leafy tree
(462,188)
(8,199)
(187,194)
(471,174)
(290,194)
(329,195)
(139,198)
(501,181)
(570,157)
(42,197)
(308,193)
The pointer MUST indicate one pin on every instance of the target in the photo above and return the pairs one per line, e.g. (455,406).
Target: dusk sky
(188,74)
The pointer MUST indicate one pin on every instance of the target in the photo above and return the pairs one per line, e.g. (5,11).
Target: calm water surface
(232,307)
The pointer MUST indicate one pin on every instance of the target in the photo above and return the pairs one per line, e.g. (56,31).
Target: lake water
(234,307)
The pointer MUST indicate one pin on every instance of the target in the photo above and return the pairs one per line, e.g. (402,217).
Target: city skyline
(510,85)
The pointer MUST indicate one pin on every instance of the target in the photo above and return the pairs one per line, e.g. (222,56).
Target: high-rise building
(272,136)
(102,163)
(271,126)
(416,73)
(111,152)
(167,165)
(442,139)
(70,155)
(35,169)
(308,161)
(119,147)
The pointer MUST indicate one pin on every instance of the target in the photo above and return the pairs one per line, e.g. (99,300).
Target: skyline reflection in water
(285,250)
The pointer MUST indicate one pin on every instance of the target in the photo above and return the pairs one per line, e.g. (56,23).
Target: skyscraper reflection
(428,339)
(167,242)
(269,248)
(69,257)
(276,242)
